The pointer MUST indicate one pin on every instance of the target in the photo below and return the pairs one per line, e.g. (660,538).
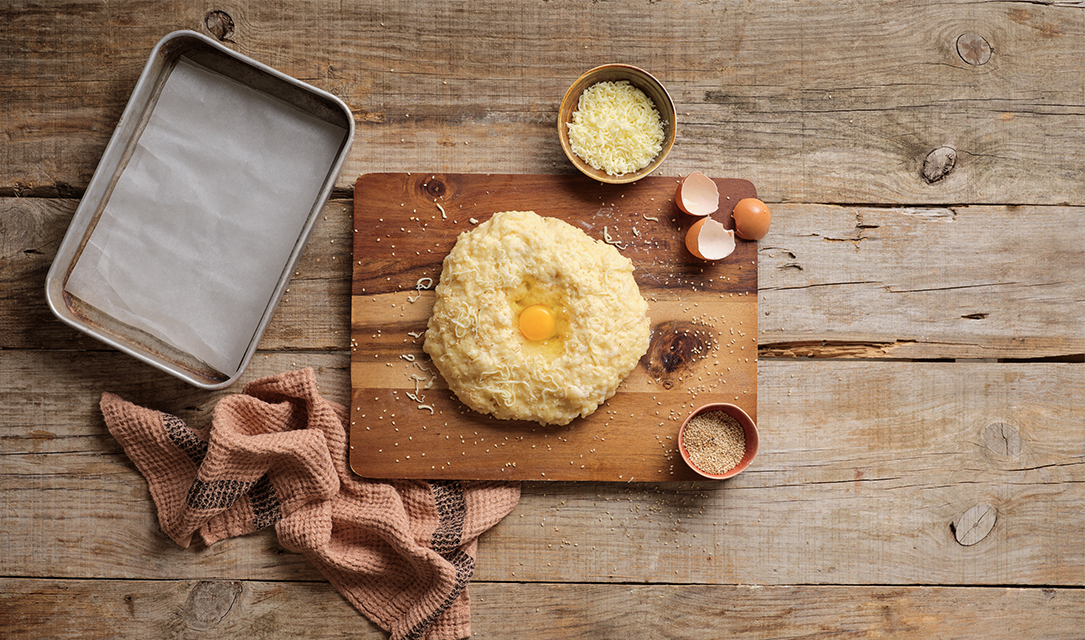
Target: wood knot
(434,187)
(209,602)
(1002,439)
(938,164)
(219,24)
(973,48)
(675,347)
(974,524)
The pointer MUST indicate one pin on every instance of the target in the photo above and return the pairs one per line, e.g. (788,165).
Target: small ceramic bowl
(638,78)
(749,430)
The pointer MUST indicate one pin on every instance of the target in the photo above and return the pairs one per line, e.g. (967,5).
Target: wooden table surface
(921,317)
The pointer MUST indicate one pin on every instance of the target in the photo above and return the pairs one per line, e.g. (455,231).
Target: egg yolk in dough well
(537,323)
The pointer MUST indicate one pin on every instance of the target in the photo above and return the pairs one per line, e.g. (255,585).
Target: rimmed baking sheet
(200,207)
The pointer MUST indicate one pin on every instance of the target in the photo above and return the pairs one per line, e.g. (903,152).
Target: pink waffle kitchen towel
(402,552)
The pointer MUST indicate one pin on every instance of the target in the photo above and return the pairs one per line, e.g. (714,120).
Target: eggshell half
(697,195)
(710,240)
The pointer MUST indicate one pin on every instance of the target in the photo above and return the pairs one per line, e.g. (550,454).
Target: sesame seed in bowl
(718,441)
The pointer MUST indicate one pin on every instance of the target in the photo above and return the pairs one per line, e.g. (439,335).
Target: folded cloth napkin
(402,552)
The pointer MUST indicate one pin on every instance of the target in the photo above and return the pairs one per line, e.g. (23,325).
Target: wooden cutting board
(405,423)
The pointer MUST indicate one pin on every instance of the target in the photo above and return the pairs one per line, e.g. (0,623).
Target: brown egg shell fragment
(709,240)
(697,195)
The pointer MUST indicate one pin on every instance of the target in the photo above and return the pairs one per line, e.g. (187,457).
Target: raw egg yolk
(536,322)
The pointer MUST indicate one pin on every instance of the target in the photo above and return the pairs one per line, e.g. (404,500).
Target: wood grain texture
(703,317)
(834,282)
(844,491)
(57,451)
(928,207)
(89,610)
(31,230)
(862,491)
(923,282)
(765,92)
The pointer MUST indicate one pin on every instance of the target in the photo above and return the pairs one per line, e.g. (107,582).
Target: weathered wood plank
(89,609)
(947,282)
(842,102)
(852,282)
(946,181)
(71,498)
(865,470)
(56,609)
(31,230)
(913,447)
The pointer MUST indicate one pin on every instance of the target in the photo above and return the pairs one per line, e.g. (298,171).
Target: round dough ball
(512,261)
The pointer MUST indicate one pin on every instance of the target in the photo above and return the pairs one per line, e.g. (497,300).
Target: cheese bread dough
(515,260)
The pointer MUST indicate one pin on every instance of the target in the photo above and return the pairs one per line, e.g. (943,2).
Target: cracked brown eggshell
(697,195)
(709,240)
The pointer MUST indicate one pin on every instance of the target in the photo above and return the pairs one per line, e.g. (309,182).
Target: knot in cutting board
(674,349)
(434,187)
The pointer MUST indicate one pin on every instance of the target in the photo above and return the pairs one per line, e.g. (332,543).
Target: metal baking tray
(303,108)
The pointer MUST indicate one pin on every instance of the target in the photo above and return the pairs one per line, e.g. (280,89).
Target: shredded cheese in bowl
(616,128)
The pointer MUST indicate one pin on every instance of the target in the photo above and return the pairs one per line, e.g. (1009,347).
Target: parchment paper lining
(203,219)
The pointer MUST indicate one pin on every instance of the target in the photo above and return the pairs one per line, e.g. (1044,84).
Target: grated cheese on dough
(512,261)
(616,128)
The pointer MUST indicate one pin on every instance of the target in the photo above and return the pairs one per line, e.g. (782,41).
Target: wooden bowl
(638,78)
(749,431)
